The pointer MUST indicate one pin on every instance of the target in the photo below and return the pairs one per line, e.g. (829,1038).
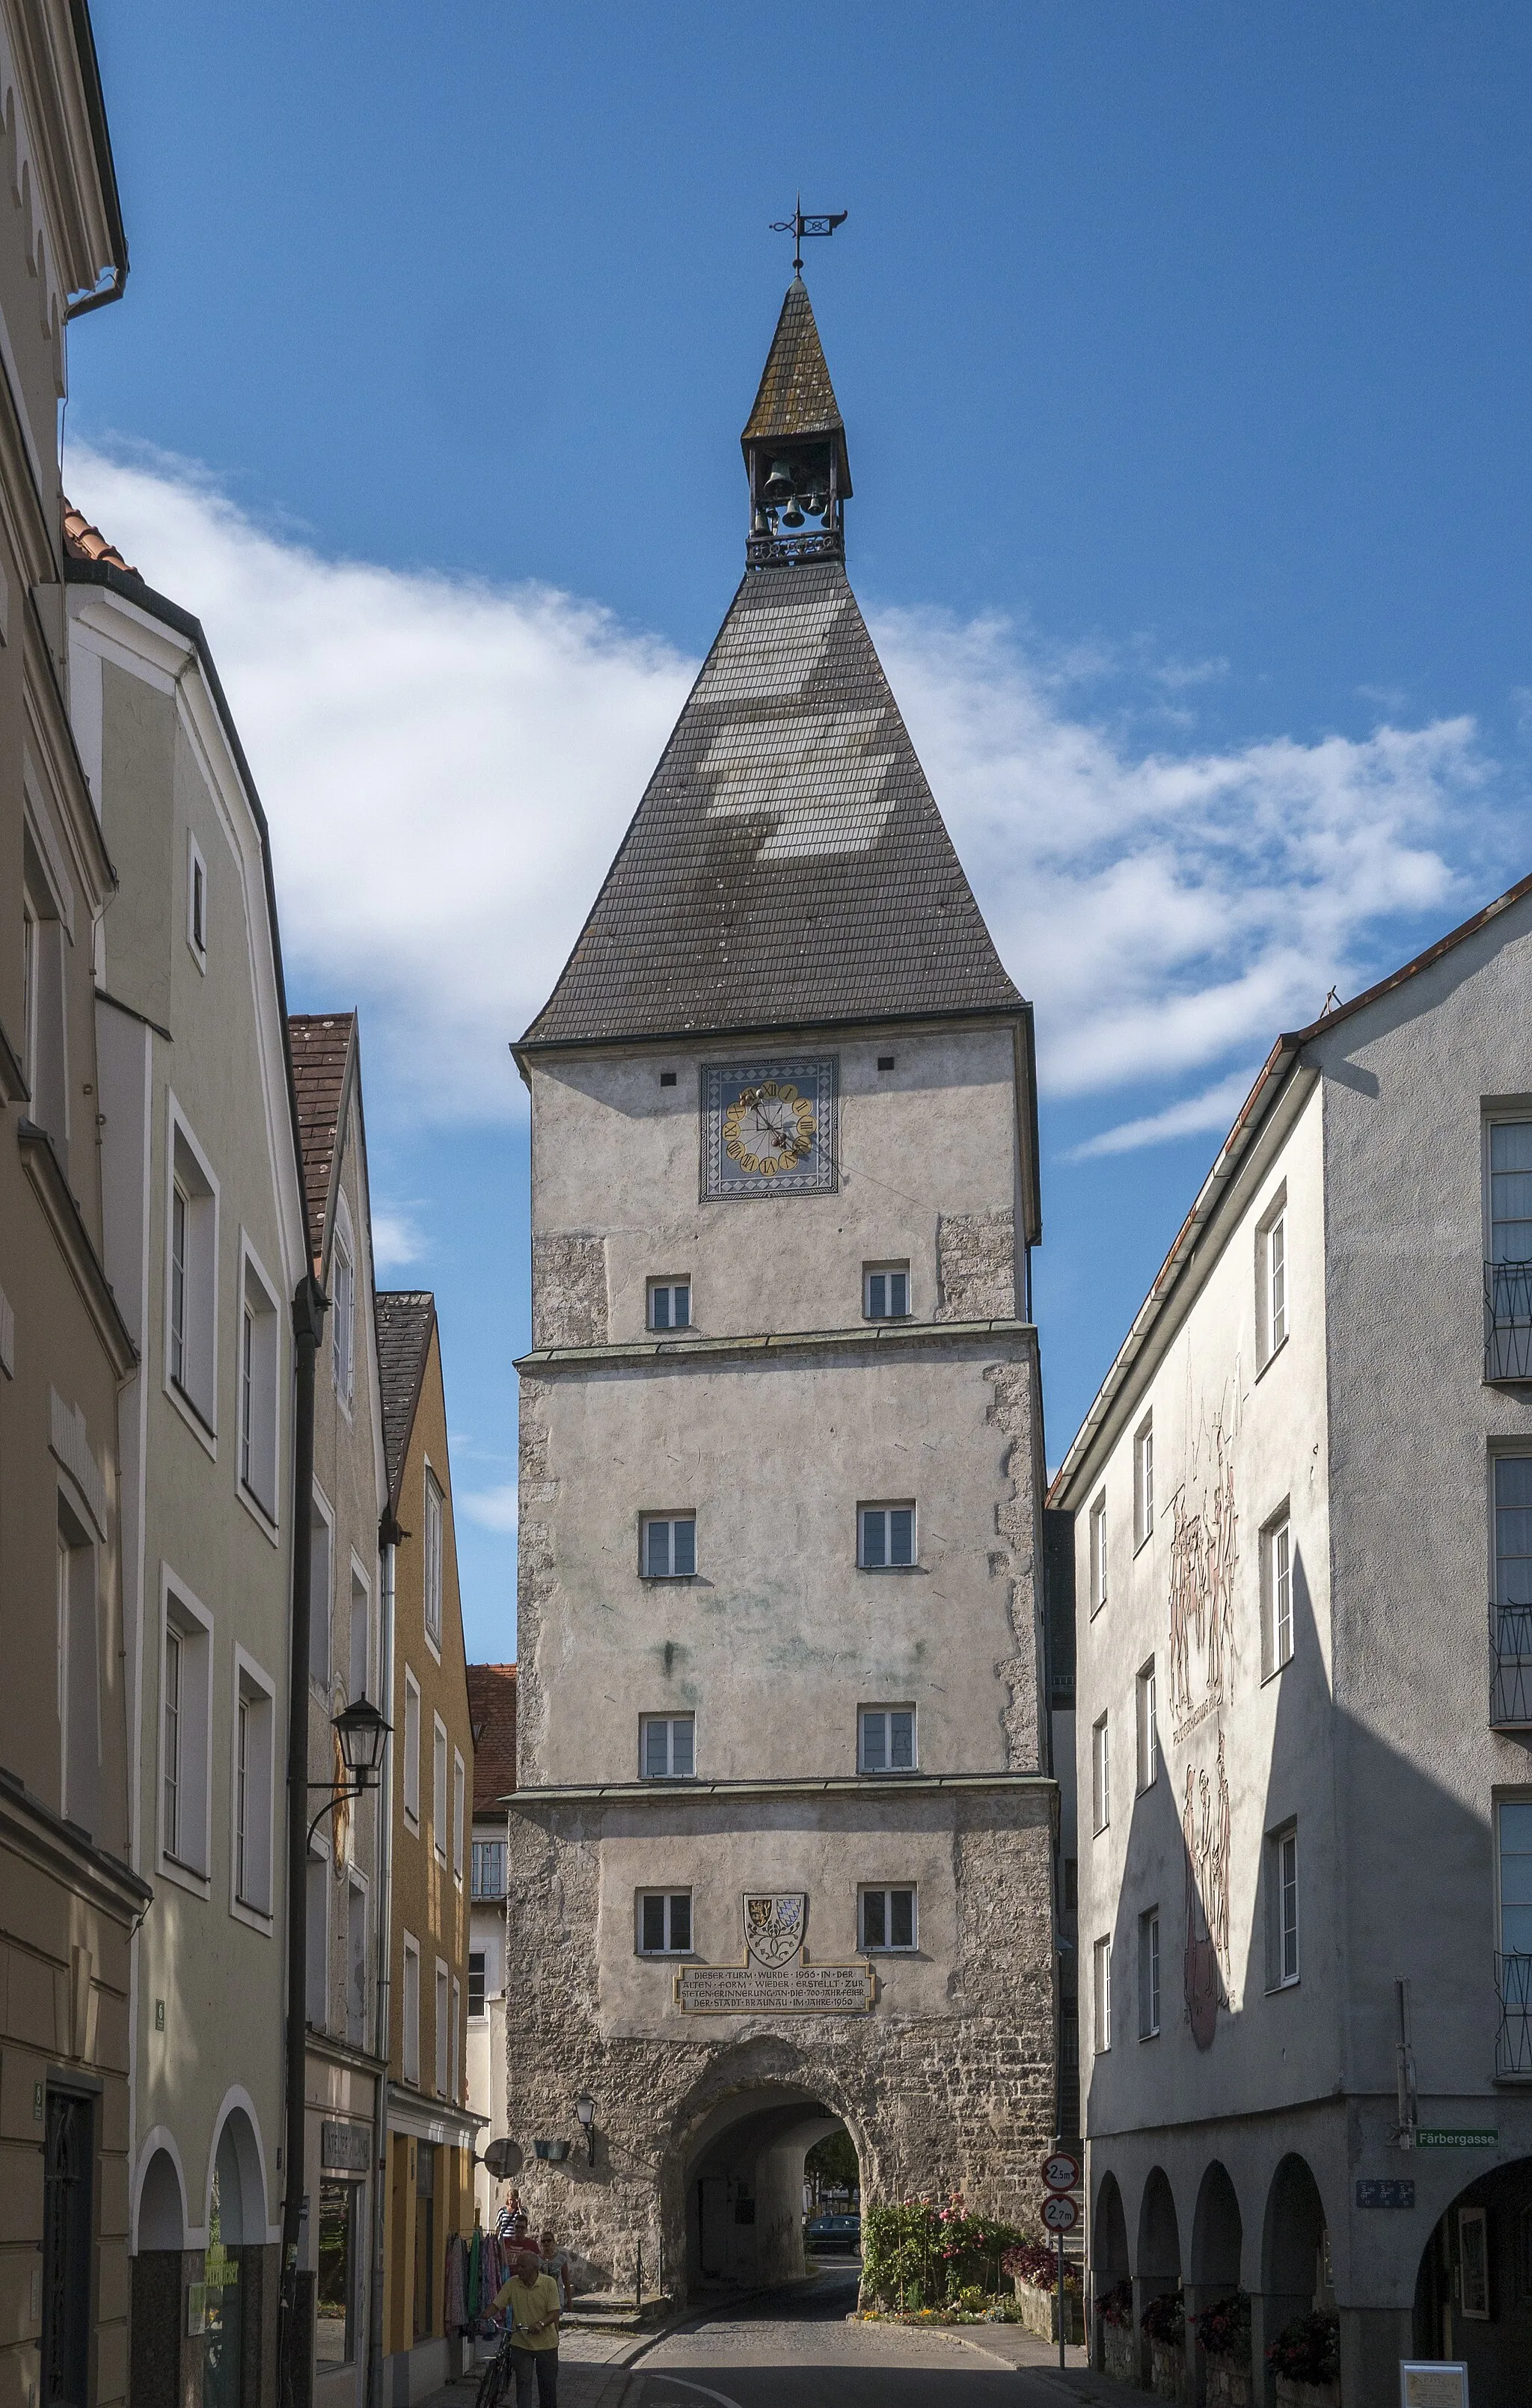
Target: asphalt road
(794,2349)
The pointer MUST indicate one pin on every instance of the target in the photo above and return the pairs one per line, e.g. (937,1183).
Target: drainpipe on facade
(389,1535)
(310,1304)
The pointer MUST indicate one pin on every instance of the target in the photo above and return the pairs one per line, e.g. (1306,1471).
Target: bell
(815,503)
(793,517)
(778,486)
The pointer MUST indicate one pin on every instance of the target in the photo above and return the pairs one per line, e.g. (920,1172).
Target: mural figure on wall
(1204,1558)
(1204,1833)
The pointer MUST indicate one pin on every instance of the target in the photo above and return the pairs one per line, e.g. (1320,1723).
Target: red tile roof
(87,543)
(320,1045)
(492,1710)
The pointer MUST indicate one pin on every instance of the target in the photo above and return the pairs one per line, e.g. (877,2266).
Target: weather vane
(798,226)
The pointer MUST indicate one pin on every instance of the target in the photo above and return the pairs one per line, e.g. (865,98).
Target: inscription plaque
(752,1989)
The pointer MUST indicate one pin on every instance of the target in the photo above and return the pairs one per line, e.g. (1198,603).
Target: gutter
(106,166)
(922,1785)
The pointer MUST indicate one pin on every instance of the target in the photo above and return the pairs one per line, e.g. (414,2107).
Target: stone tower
(781,1847)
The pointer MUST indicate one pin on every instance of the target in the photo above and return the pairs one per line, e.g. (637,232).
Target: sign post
(1060,2172)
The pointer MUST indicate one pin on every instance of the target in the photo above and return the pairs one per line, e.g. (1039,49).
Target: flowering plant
(1224,2330)
(1117,2307)
(917,2254)
(1165,2318)
(1308,2348)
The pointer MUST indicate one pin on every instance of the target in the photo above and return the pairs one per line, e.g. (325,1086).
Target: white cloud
(398,1239)
(493,1509)
(1214,1109)
(448,767)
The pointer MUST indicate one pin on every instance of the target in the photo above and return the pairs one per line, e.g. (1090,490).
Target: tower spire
(794,446)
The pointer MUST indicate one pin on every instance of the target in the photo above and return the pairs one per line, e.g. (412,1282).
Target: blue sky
(1185,358)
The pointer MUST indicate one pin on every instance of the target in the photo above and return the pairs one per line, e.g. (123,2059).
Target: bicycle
(497,2381)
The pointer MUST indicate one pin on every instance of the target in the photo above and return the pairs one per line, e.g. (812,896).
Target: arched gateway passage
(733,2181)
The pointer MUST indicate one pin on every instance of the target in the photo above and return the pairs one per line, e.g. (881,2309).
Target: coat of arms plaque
(773,1926)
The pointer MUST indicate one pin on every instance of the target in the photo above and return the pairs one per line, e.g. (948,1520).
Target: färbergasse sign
(752,1989)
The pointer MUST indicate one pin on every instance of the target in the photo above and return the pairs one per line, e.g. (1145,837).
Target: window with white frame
(317,1960)
(1282,1907)
(254,1756)
(668,1747)
(1148,1727)
(192,1275)
(360,1634)
(664,1923)
(356,1960)
(443,2029)
(411,2016)
(185,1731)
(1275,1593)
(886,1291)
(1101,1963)
(197,901)
(455,2092)
(78,1666)
(433,1559)
(886,1738)
(478,1986)
(487,1871)
(1098,1553)
(1143,1481)
(1101,1777)
(1271,1273)
(321,1588)
(887,1916)
(670,1304)
(343,1312)
(886,1537)
(1149,1974)
(45,934)
(459,1785)
(260,1328)
(668,1546)
(439,1788)
(412,1749)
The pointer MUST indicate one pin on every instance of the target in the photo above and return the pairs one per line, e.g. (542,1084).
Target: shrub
(1117,2307)
(1225,2330)
(1031,2261)
(1165,2318)
(920,2252)
(1308,2348)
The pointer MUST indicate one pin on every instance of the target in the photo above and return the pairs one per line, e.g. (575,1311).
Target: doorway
(68,2164)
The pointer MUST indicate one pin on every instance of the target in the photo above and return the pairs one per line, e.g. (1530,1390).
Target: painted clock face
(769,1127)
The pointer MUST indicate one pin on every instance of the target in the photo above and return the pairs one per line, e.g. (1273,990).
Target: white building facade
(1304,1778)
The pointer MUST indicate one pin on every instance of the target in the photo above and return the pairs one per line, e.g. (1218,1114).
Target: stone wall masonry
(1017,1561)
(568,1291)
(976,1266)
(961,2101)
(537,1579)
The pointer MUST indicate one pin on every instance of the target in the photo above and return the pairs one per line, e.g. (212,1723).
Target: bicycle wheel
(492,2382)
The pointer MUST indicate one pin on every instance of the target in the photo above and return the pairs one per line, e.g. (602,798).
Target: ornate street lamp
(584,2108)
(360,1733)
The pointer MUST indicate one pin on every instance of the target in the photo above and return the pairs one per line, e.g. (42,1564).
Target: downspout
(310,1304)
(388,1536)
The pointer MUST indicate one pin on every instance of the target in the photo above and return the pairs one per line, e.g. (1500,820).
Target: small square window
(667,1078)
(665,1923)
(668,1544)
(1276,1594)
(667,1747)
(886,1291)
(886,1537)
(887,1920)
(670,1304)
(887,1739)
(1149,1974)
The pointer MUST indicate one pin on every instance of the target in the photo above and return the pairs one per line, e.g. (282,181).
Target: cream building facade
(1303,1740)
(781,1847)
(70,1896)
(204,1246)
(492,1703)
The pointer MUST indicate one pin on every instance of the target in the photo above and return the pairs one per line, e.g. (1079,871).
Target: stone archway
(1218,2246)
(1157,2268)
(1474,2298)
(1295,2248)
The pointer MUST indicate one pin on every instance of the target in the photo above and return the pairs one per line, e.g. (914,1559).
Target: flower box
(1118,2355)
(1040,2312)
(1229,2384)
(1291,2393)
(1167,2370)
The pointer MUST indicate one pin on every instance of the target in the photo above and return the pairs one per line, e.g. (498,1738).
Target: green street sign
(1431,2138)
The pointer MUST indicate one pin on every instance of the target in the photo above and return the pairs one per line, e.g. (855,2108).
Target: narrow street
(794,2348)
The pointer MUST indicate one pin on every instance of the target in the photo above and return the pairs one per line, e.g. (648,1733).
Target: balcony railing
(1507,1321)
(1510,1667)
(1513,2043)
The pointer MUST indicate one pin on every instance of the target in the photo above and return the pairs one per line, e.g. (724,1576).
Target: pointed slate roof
(406,1318)
(321,1044)
(796,398)
(787,864)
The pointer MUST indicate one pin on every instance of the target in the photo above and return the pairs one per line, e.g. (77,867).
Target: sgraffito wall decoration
(1204,1558)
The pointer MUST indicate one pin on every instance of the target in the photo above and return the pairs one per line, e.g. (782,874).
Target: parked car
(833,2233)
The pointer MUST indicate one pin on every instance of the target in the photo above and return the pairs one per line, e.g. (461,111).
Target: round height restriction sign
(1060,2212)
(1060,2171)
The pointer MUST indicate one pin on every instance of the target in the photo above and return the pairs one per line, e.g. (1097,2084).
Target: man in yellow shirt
(531,2302)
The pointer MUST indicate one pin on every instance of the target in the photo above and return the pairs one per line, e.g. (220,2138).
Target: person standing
(555,2261)
(532,2302)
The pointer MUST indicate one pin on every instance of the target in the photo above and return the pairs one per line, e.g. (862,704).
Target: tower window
(668,1749)
(885,1061)
(887,1920)
(667,1078)
(886,1291)
(668,1546)
(886,1537)
(887,1739)
(670,1304)
(665,1923)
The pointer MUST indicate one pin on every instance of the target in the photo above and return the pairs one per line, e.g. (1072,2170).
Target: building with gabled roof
(492,1700)
(780,1846)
